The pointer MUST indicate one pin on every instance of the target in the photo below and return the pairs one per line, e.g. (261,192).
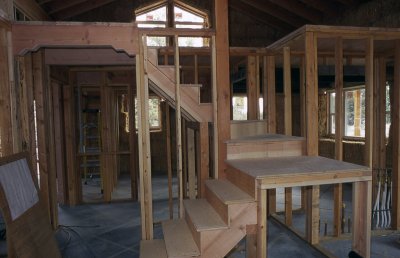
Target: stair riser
(220,207)
(245,182)
(245,150)
(218,244)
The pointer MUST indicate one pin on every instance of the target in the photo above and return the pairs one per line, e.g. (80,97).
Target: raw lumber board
(203,216)
(178,239)
(227,192)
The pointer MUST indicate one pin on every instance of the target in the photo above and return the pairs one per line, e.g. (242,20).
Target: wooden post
(303,123)
(202,158)
(142,91)
(270,98)
(287,88)
(252,102)
(396,140)
(6,147)
(369,101)
(338,189)
(362,196)
(178,126)
(312,209)
(169,159)
(133,140)
(262,223)
(270,113)
(215,102)
(191,154)
(222,80)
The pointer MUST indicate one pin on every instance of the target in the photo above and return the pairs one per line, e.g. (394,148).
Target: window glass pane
(156,41)
(189,26)
(151,25)
(239,109)
(332,102)
(332,124)
(191,42)
(159,14)
(388,118)
(261,107)
(355,113)
(154,113)
(185,16)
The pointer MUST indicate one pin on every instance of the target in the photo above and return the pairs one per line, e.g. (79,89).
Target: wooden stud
(311,94)
(169,159)
(288,206)
(133,142)
(270,113)
(312,206)
(184,160)
(287,88)
(362,196)
(191,154)
(312,216)
(396,140)
(216,106)
(303,130)
(252,102)
(142,90)
(6,147)
(70,152)
(262,223)
(257,78)
(271,103)
(178,127)
(203,158)
(369,101)
(222,80)
(338,189)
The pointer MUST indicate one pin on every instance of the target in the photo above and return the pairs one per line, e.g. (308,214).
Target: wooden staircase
(211,227)
(163,83)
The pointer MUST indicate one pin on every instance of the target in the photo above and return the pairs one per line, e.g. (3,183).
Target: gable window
(185,17)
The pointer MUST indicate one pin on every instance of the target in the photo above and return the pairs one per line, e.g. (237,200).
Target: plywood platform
(300,171)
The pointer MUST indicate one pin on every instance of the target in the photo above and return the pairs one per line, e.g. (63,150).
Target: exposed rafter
(260,16)
(325,6)
(57,6)
(277,12)
(300,9)
(78,9)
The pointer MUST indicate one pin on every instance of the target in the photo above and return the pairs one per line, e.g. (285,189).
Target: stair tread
(178,239)
(227,192)
(203,216)
(266,138)
(153,248)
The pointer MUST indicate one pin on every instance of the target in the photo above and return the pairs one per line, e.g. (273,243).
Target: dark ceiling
(277,13)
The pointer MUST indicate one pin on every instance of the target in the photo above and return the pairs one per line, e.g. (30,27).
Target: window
(184,17)
(239,108)
(154,113)
(354,112)
(20,15)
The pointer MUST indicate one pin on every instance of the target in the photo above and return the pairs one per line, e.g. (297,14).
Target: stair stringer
(218,243)
(164,84)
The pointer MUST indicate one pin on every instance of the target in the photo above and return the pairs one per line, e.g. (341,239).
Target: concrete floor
(113,230)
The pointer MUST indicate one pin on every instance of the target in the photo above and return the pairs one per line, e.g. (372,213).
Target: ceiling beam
(41,2)
(278,12)
(260,16)
(57,6)
(300,9)
(78,9)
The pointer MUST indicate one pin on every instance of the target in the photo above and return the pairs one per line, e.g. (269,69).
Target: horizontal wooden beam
(96,56)
(57,6)
(32,36)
